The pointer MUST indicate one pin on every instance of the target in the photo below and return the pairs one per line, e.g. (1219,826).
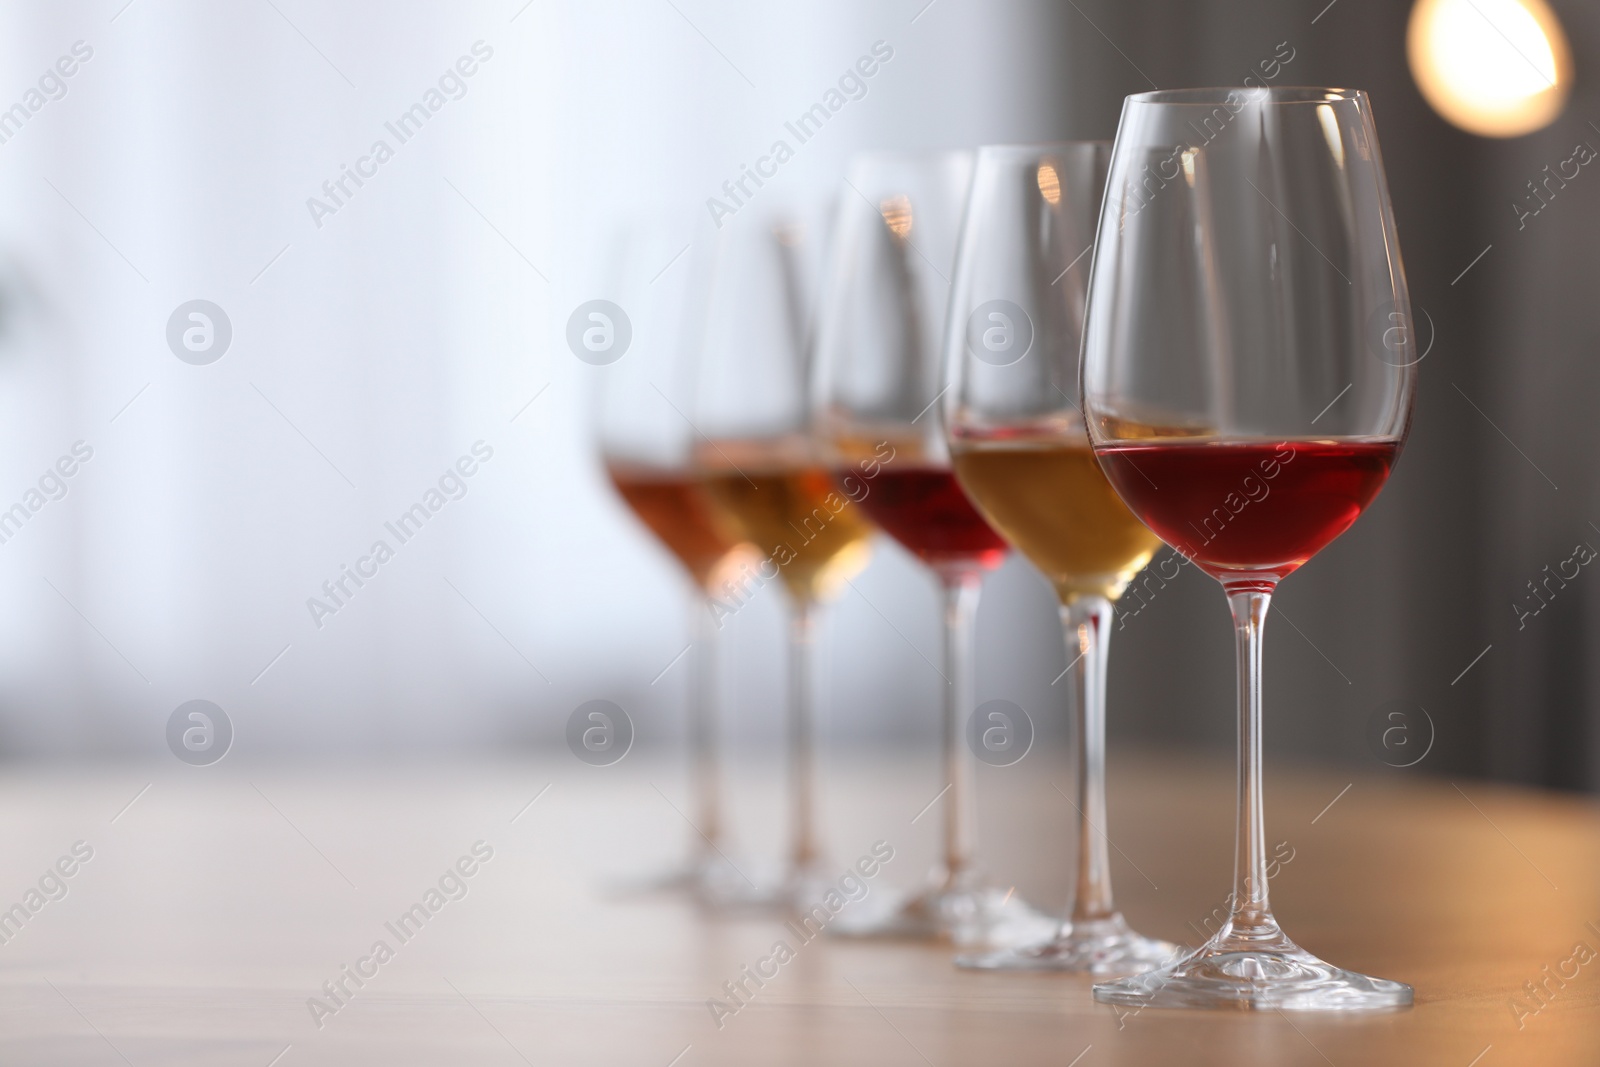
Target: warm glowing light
(897,213)
(1049,183)
(1497,68)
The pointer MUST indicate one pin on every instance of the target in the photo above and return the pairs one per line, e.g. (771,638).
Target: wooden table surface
(219,901)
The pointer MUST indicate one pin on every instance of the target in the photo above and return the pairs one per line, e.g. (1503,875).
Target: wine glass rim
(1275,94)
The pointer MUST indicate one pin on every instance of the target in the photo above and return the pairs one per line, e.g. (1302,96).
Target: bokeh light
(1496,68)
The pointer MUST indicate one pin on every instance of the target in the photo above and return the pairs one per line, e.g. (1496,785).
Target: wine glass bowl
(672,502)
(879,372)
(1248,373)
(782,493)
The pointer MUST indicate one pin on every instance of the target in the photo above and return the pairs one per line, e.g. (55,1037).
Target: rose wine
(925,509)
(678,510)
(786,502)
(1238,507)
(1050,500)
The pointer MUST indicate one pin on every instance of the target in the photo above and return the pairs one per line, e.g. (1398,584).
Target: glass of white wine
(762,466)
(1021,452)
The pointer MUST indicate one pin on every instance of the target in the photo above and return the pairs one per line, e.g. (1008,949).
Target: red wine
(925,509)
(1246,506)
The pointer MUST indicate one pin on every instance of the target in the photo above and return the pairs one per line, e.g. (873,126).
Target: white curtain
(380,329)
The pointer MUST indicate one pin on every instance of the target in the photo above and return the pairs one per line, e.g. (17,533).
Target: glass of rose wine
(877,380)
(1017,436)
(648,450)
(1248,371)
(762,467)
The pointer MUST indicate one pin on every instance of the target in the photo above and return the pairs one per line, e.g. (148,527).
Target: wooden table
(221,899)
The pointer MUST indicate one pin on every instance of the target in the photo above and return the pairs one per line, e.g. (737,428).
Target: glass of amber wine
(1248,373)
(1021,452)
(877,380)
(648,450)
(762,466)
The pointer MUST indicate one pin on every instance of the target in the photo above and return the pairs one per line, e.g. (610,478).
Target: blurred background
(378,330)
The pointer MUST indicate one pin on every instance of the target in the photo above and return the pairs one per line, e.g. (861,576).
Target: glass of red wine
(1248,371)
(876,384)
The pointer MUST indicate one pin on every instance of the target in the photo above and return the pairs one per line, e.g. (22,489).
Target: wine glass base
(1229,973)
(1098,947)
(970,916)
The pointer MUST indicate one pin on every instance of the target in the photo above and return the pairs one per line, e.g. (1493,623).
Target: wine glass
(647,449)
(1017,437)
(877,382)
(1248,372)
(761,464)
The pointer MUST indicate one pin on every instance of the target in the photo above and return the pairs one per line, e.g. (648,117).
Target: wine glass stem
(1087,624)
(960,822)
(703,727)
(1251,917)
(803,845)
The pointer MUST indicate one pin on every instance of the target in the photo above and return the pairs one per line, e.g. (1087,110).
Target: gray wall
(1425,581)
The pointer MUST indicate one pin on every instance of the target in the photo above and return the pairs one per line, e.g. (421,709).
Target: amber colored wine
(677,508)
(787,504)
(1051,501)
